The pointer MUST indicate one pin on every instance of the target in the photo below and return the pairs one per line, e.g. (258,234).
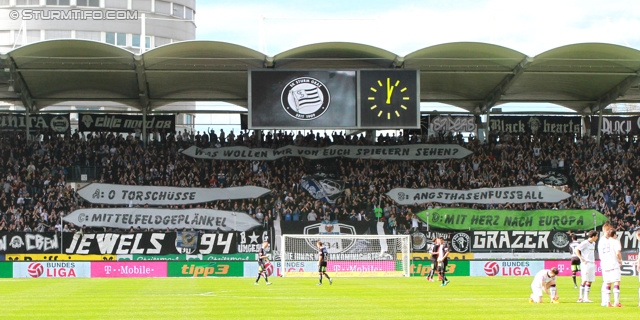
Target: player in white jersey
(575,260)
(610,261)
(586,252)
(544,282)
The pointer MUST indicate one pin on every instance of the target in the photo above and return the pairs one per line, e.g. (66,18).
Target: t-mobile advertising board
(54,269)
(564,267)
(361,266)
(505,268)
(137,269)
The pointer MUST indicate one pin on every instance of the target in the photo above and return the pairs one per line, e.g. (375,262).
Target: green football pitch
(300,298)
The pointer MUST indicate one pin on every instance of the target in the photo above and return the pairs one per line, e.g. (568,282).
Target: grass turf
(298,298)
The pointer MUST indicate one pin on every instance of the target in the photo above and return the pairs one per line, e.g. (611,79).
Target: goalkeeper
(263,260)
(322,263)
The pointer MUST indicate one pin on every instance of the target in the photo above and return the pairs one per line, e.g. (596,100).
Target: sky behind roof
(402,27)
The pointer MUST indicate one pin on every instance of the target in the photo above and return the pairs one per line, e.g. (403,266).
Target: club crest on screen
(305,98)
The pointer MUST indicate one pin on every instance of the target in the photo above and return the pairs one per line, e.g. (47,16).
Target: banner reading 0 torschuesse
(404,152)
(471,219)
(124,122)
(160,196)
(406,196)
(161,219)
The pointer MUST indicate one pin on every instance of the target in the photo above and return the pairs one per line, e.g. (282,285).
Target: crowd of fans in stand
(34,175)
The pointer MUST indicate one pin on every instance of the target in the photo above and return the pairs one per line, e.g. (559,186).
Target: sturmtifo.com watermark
(73,14)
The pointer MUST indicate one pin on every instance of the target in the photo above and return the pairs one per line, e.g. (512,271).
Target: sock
(258,278)
(266,278)
(606,291)
(582,290)
(326,275)
(552,291)
(321,278)
(587,288)
(616,294)
(574,279)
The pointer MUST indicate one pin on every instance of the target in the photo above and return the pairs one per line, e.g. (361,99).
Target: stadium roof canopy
(584,77)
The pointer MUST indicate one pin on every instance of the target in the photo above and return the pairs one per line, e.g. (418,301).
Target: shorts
(611,276)
(537,290)
(588,272)
(575,264)
(322,267)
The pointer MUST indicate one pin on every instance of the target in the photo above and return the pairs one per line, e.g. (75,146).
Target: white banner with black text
(160,196)
(400,152)
(523,194)
(160,219)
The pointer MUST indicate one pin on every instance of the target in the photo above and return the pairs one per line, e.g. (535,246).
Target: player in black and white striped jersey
(575,260)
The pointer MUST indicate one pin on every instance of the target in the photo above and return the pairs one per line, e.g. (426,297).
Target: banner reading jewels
(140,195)
(151,243)
(406,196)
(160,219)
(405,152)
(471,219)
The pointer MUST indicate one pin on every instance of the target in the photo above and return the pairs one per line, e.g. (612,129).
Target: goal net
(348,255)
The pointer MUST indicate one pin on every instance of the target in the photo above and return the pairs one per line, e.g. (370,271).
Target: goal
(349,255)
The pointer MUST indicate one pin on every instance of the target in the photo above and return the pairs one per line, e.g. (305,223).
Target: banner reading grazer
(472,219)
(404,152)
(141,195)
(160,219)
(406,196)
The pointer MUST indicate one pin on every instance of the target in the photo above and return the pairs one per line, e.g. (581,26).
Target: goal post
(348,255)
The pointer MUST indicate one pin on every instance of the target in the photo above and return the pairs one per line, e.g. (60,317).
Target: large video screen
(389,99)
(302,99)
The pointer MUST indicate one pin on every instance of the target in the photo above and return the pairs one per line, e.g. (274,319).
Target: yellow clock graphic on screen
(388,97)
